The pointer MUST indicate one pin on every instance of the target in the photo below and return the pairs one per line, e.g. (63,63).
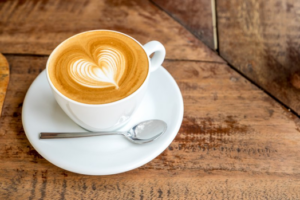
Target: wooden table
(235,141)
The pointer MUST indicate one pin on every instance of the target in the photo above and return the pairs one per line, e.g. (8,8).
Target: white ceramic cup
(109,116)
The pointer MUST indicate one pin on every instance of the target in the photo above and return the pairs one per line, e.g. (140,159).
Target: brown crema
(98,67)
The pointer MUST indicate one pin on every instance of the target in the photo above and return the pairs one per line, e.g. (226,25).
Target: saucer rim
(139,162)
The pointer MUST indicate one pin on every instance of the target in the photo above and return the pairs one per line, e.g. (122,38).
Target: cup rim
(104,104)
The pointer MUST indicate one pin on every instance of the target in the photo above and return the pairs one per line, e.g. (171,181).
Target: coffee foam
(98,67)
(105,70)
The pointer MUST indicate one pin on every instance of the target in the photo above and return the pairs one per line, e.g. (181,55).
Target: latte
(98,67)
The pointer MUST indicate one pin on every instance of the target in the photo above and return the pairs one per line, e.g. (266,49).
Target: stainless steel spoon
(141,133)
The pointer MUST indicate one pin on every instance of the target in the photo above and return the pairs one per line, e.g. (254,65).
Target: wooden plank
(37,27)
(235,142)
(195,15)
(4,79)
(261,39)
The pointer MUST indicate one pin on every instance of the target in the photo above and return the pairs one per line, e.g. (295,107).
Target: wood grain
(235,142)
(195,15)
(37,27)
(4,79)
(261,39)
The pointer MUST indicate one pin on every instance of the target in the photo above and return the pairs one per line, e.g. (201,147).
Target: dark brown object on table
(235,142)
(261,40)
(4,79)
(195,15)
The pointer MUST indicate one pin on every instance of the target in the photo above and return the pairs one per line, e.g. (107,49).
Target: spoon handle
(76,135)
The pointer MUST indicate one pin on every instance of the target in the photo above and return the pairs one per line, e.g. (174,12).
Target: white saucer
(101,155)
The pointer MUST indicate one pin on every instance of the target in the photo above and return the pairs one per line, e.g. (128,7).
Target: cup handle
(159,54)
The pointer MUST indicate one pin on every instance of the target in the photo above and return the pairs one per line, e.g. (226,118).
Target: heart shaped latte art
(103,68)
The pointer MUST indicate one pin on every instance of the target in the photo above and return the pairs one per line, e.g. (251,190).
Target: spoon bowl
(143,132)
(146,131)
